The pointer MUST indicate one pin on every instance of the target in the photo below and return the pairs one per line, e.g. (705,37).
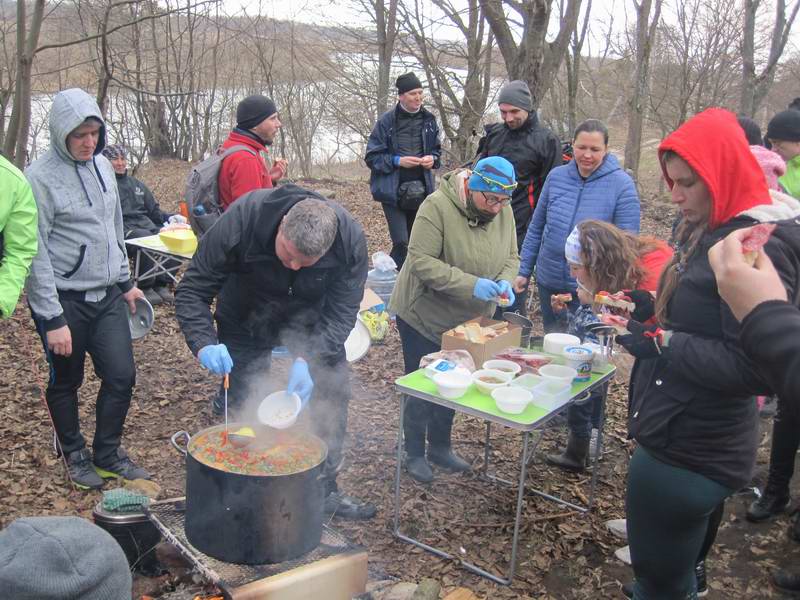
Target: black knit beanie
(785,126)
(406,83)
(252,110)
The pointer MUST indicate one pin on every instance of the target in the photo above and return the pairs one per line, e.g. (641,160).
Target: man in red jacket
(257,125)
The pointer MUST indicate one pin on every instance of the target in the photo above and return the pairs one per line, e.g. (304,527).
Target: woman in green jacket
(18,234)
(462,256)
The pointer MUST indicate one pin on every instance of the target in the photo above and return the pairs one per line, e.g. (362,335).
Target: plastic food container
(599,360)
(279,410)
(558,373)
(512,400)
(181,241)
(440,365)
(580,359)
(142,321)
(551,394)
(528,381)
(507,366)
(452,384)
(554,343)
(498,380)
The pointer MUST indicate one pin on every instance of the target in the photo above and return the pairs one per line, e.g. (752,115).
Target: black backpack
(202,190)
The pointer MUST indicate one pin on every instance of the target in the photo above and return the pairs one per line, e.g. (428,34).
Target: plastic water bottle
(382,278)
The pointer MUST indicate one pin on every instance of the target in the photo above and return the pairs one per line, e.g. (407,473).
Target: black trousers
(785,442)
(101,329)
(400,223)
(250,382)
(145,263)
(422,419)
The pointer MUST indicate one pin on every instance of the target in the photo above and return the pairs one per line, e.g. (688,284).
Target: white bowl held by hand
(452,384)
(279,410)
(512,400)
(487,380)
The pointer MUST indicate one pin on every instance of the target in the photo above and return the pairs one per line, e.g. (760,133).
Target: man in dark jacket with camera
(287,268)
(533,150)
(402,149)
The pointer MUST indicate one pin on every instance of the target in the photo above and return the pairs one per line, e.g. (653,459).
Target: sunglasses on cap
(490,181)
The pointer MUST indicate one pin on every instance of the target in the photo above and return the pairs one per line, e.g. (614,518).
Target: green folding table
(479,405)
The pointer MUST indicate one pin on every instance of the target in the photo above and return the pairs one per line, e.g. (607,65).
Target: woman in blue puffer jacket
(592,186)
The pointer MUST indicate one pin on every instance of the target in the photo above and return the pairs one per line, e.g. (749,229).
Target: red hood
(714,146)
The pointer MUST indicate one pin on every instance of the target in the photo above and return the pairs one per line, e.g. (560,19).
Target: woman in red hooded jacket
(691,406)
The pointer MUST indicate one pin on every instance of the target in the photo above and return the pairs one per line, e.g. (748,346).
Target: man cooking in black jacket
(533,150)
(287,268)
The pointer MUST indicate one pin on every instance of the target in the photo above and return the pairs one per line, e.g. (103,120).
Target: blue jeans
(550,321)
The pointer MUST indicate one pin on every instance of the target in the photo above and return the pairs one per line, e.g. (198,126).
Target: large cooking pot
(250,518)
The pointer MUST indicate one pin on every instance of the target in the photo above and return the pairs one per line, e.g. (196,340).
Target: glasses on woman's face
(496,200)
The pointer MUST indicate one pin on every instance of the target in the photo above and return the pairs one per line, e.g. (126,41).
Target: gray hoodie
(81,245)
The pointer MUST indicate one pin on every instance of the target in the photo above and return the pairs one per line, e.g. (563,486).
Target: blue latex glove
(300,381)
(216,359)
(505,288)
(486,290)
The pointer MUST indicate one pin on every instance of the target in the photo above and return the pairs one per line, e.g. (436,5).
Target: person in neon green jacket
(784,134)
(18,234)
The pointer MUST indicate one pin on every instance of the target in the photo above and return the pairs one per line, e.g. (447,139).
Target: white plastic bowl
(554,343)
(279,410)
(558,373)
(141,322)
(512,399)
(452,384)
(486,387)
(507,366)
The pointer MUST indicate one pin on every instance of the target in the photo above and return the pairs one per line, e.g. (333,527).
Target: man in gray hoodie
(78,286)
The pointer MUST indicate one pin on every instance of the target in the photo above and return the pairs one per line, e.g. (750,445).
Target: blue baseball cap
(493,174)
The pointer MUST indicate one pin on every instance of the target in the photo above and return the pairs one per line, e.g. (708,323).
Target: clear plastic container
(551,394)
(382,278)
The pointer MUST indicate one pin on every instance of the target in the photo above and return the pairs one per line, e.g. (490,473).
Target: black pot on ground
(137,536)
(252,519)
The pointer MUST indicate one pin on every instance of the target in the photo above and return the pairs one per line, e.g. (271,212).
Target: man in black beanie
(533,150)
(257,124)
(402,150)
(783,133)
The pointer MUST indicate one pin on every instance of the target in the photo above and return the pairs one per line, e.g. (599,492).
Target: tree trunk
(386,29)
(16,140)
(645,36)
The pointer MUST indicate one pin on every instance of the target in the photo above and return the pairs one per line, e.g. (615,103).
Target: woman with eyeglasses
(462,256)
(591,186)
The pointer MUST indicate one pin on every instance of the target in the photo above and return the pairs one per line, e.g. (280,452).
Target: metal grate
(168,517)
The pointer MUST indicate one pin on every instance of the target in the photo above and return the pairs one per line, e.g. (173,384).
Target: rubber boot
(574,457)
(419,469)
(442,456)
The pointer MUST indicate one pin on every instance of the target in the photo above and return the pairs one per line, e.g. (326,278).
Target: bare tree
(573,64)
(756,85)
(532,58)
(646,27)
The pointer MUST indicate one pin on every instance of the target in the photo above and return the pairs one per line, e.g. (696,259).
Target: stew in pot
(281,455)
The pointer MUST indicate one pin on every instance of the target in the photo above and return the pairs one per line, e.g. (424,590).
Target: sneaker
(165,293)
(152,297)
(771,503)
(618,528)
(83,476)
(347,507)
(121,466)
(624,554)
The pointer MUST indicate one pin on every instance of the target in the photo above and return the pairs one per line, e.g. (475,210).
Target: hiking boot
(83,476)
(787,581)
(419,469)
(574,457)
(347,507)
(152,297)
(770,504)
(165,293)
(444,458)
(120,466)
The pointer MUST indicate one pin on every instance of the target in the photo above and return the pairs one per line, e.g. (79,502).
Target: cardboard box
(369,300)
(486,351)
